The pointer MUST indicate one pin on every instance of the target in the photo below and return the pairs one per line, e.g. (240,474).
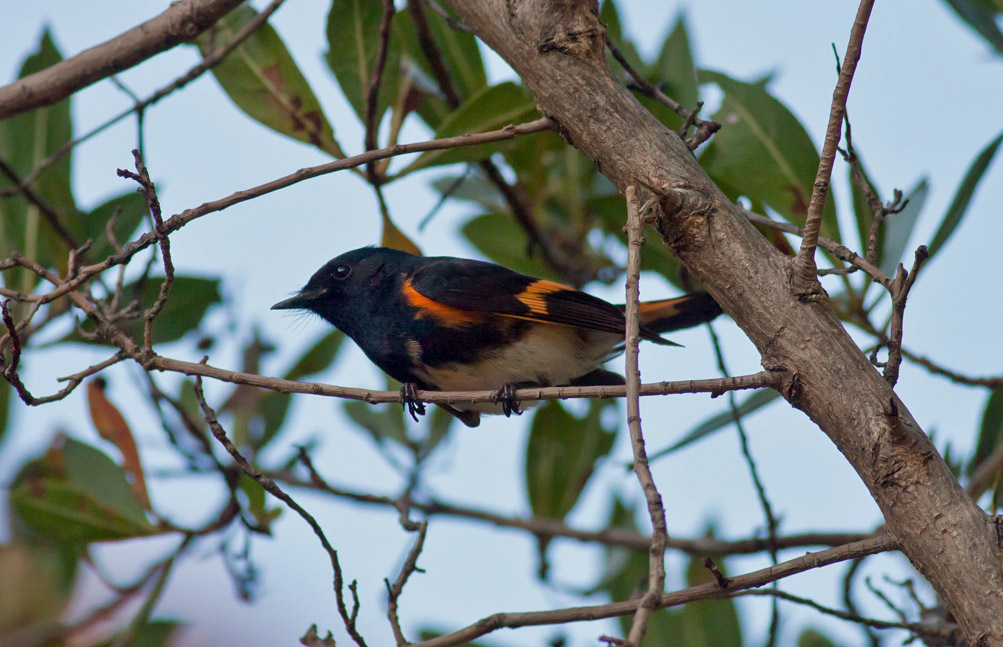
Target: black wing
(474,286)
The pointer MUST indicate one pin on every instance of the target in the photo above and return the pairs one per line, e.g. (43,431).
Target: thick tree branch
(180,23)
(557,49)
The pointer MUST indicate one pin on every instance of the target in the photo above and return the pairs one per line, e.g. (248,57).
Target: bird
(442,323)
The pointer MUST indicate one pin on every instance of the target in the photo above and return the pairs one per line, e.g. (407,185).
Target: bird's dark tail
(678,313)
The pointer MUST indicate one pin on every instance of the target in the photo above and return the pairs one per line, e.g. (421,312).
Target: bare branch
(758,578)
(142,176)
(656,511)
(178,221)
(839,251)
(546,529)
(705,129)
(804,264)
(373,90)
(273,489)
(181,22)
(394,592)
(900,292)
(207,63)
(940,632)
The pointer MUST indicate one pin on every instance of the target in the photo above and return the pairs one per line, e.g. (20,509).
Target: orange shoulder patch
(534,296)
(444,314)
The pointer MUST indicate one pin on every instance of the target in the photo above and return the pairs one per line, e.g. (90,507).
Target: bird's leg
(506,397)
(410,401)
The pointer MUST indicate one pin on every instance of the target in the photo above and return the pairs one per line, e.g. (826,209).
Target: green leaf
(382,422)
(43,580)
(713,623)
(156,633)
(612,213)
(862,211)
(754,402)
(491,108)
(812,638)
(353,41)
(609,17)
(676,67)
(93,473)
(460,52)
(317,358)
(130,208)
(500,239)
(964,194)
(25,140)
(440,421)
(990,430)
(262,79)
(675,74)
(764,152)
(561,454)
(6,393)
(981,17)
(190,298)
(471,188)
(65,512)
(257,501)
(898,229)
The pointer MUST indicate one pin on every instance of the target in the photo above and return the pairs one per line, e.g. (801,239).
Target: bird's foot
(410,401)
(506,397)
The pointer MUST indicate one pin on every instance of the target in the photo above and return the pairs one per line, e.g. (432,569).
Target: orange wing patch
(534,296)
(651,310)
(444,314)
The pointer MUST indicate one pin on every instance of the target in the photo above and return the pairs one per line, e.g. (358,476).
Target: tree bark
(556,46)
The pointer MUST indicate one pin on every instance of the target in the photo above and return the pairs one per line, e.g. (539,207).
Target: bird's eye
(342,271)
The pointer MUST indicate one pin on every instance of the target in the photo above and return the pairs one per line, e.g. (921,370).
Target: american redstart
(452,324)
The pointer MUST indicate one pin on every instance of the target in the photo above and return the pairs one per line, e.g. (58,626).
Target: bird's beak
(301,301)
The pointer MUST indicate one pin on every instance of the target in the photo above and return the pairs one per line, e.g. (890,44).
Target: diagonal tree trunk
(556,46)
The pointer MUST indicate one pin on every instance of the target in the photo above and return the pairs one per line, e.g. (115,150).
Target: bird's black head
(348,286)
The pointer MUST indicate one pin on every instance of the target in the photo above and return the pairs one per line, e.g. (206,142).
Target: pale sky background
(928,95)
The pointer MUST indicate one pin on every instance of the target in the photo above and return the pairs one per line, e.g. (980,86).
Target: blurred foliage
(74,494)
(706,623)
(561,455)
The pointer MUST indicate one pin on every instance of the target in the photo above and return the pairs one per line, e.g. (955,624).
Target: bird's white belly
(547,355)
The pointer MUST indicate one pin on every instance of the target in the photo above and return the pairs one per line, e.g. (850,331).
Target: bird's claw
(410,401)
(506,397)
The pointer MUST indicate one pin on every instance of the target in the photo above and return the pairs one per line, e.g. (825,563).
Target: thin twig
(545,529)
(709,590)
(208,62)
(180,22)
(992,382)
(636,214)
(517,205)
(373,89)
(269,485)
(839,251)
(47,210)
(149,190)
(394,592)
(705,129)
(803,270)
(920,629)
(451,20)
(178,221)
(764,501)
(900,292)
